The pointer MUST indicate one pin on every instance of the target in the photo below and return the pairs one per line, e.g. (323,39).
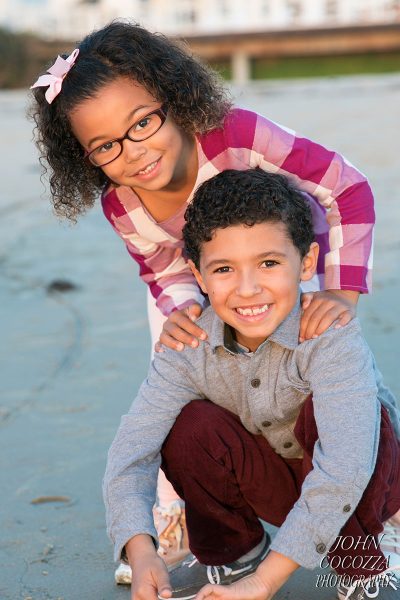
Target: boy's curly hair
(246,198)
(196,97)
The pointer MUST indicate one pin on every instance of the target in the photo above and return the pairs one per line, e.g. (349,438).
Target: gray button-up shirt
(266,389)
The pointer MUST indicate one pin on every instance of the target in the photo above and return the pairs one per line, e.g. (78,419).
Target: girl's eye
(222,270)
(105,147)
(270,263)
(142,124)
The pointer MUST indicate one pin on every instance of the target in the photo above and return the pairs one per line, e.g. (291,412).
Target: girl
(133,116)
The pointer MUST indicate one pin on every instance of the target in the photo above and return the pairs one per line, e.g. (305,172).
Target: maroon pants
(229,478)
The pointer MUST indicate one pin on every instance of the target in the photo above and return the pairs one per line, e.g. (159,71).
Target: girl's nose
(133,151)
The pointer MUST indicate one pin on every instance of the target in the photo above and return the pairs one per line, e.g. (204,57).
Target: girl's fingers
(176,332)
(158,347)
(194,311)
(344,319)
(170,342)
(184,323)
(306,319)
(306,299)
(323,317)
(326,320)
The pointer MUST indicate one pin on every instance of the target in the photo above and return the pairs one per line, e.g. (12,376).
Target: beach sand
(71,360)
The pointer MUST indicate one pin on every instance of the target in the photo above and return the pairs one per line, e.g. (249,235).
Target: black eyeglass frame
(162,112)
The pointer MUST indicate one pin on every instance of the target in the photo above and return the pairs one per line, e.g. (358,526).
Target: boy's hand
(150,579)
(180,330)
(321,309)
(248,588)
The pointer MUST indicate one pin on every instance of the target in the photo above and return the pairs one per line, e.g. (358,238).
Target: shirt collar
(286,335)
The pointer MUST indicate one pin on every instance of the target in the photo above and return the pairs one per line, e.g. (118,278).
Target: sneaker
(390,546)
(173,540)
(383,587)
(190,576)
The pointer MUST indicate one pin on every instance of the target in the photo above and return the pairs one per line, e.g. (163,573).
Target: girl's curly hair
(196,97)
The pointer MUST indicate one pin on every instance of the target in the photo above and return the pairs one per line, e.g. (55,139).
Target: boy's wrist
(275,570)
(139,546)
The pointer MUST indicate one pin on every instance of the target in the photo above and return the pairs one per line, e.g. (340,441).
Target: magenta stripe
(356,204)
(238,132)
(308,159)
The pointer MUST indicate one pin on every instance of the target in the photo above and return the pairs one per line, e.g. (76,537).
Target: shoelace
(213,572)
(374,582)
(391,538)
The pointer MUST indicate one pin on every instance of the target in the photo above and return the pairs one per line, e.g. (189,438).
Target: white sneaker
(173,547)
(390,545)
(123,574)
(383,587)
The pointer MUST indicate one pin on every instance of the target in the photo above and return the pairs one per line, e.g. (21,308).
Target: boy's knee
(197,422)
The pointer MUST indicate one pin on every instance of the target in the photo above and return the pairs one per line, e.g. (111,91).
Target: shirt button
(266,423)
(347,508)
(321,548)
(255,383)
(287,445)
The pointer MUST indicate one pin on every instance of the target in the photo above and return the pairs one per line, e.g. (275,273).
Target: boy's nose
(248,286)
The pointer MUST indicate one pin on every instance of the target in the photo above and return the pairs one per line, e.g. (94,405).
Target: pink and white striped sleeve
(159,256)
(338,186)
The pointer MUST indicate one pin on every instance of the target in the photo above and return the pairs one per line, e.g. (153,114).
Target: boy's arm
(269,577)
(130,480)
(339,369)
(151,579)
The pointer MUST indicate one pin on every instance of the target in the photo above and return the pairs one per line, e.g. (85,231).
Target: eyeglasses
(141,130)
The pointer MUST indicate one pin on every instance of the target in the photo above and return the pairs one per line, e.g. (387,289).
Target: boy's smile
(252,276)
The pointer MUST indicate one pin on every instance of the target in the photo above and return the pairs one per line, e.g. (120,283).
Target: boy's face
(252,276)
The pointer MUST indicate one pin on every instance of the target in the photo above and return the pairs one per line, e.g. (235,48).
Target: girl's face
(156,164)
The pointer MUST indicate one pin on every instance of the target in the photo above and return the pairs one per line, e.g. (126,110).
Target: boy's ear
(309,262)
(197,275)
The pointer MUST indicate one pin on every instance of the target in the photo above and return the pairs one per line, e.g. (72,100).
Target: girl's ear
(197,275)
(309,262)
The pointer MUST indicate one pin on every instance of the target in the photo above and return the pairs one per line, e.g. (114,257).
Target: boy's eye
(270,263)
(222,270)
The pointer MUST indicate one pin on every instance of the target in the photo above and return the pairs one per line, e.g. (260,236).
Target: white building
(72,19)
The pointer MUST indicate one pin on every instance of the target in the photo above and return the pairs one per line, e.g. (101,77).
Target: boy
(253,424)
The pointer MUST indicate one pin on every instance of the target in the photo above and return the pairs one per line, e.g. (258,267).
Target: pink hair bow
(55,75)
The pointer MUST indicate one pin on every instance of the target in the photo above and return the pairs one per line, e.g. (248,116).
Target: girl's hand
(321,309)
(248,588)
(180,330)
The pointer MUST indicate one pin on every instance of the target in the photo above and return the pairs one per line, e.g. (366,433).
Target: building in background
(220,30)
(71,19)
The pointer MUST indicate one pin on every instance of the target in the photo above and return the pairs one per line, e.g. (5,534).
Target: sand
(72,359)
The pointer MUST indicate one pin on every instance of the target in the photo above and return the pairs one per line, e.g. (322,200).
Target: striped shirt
(340,197)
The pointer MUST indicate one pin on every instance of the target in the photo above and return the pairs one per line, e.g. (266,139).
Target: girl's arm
(338,186)
(159,256)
